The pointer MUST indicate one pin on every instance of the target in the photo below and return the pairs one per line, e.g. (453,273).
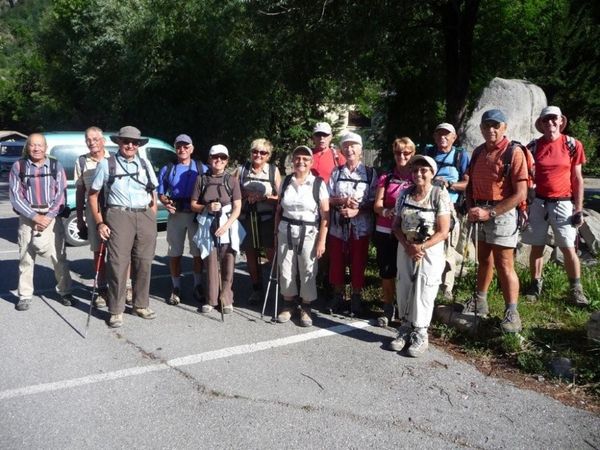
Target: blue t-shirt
(181,181)
(446,168)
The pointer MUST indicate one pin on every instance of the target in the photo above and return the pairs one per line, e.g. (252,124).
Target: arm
(577,187)
(93,203)
(323,227)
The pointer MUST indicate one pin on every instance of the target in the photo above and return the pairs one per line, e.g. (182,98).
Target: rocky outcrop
(593,326)
(520,100)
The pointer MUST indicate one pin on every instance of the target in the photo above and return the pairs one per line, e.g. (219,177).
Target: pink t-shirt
(395,184)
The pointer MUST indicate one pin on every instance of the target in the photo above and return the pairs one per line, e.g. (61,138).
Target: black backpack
(245,170)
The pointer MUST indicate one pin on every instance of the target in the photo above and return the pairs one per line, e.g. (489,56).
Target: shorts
(266,229)
(557,214)
(502,230)
(386,245)
(178,225)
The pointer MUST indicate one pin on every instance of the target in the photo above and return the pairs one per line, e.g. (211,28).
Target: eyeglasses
(220,156)
(549,118)
(420,169)
(133,142)
(405,154)
(93,140)
(320,135)
(183,145)
(302,158)
(260,152)
(492,124)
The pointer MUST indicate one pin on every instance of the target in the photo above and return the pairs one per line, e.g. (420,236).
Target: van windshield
(159,157)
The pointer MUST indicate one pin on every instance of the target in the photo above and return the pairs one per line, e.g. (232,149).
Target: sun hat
(129,132)
(550,111)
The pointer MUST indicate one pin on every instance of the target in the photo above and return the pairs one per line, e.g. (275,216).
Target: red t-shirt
(554,166)
(325,161)
(486,173)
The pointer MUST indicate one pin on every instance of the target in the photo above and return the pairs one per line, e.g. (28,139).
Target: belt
(126,208)
(302,224)
(38,206)
(486,202)
(553,199)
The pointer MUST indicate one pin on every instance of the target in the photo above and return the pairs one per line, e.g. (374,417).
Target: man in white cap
(128,223)
(558,201)
(452,163)
(325,157)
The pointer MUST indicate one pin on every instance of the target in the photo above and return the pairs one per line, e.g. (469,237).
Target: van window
(68,155)
(160,157)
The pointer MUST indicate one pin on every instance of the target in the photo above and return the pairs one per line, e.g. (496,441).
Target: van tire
(71,231)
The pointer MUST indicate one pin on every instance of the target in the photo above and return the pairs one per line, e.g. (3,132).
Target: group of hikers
(318,220)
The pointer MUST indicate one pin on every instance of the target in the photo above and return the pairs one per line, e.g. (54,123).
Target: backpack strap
(23,167)
(316,189)
(571,145)
(284,186)
(81,162)
(272,177)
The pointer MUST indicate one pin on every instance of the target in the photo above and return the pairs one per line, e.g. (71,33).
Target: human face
(184,151)
(493,132)
(444,140)
(321,141)
(128,147)
(36,147)
(259,156)
(95,143)
(421,174)
(551,125)
(402,156)
(302,164)
(218,162)
(352,151)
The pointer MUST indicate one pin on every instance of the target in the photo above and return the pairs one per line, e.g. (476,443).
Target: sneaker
(305,316)
(398,344)
(534,290)
(419,343)
(577,297)
(511,322)
(100,300)
(129,296)
(388,313)
(255,297)
(144,313)
(474,305)
(199,293)
(174,298)
(334,303)
(68,300)
(227,309)
(286,314)
(115,321)
(23,304)
(356,304)
(206,308)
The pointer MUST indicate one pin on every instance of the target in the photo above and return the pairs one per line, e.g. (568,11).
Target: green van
(67,146)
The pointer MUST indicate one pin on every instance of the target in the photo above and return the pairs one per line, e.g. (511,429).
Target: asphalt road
(187,380)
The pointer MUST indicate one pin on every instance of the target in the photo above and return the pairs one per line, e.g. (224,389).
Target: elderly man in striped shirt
(37,193)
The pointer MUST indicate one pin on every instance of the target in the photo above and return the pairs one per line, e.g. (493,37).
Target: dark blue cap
(493,115)
(183,138)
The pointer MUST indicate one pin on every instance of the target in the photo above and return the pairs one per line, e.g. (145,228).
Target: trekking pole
(272,277)
(217,218)
(476,232)
(98,262)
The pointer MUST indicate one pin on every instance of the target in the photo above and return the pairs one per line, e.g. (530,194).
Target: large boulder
(590,231)
(593,327)
(520,100)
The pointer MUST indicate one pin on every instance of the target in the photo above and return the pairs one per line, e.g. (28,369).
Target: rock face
(593,326)
(521,102)
(590,231)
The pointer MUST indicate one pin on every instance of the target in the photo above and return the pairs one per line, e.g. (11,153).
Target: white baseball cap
(218,149)
(446,126)
(351,137)
(322,127)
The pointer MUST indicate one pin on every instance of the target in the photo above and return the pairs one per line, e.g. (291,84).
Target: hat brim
(141,141)
(538,123)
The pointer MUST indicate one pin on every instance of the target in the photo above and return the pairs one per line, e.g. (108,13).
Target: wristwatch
(492,213)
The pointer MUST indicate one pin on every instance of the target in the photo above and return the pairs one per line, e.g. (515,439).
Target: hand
(440,181)
(415,251)
(320,249)
(352,203)
(388,213)
(577,219)
(41,221)
(349,213)
(170,207)
(104,231)
(214,207)
(479,214)
(221,230)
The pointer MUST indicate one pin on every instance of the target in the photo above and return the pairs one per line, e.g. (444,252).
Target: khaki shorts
(501,230)
(557,214)
(179,225)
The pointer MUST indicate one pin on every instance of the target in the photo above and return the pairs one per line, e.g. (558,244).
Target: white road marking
(182,361)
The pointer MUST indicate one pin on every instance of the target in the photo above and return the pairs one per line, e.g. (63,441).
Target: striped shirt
(38,191)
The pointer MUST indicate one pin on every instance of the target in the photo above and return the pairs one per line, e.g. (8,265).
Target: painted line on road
(182,361)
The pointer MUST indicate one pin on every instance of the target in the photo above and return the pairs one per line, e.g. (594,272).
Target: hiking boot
(577,297)
(334,303)
(129,296)
(174,298)
(115,321)
(255,298)
(23,304)
(387,316)
(206,308)
(144,313)
(511,322)
(475,305)
(398,344)
(305,316)
(286,313)
(419,343)
(534,290)
(100,300)
(356,304)
(198,293)
(68,300)
(227,309)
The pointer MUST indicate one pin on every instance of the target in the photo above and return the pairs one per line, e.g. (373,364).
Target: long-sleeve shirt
(39,190)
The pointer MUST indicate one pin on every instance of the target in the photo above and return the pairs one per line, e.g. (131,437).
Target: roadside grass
(552,328)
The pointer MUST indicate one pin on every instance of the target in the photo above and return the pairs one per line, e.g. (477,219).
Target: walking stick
(217,220)
(476,231)
(273,276)
(98,262)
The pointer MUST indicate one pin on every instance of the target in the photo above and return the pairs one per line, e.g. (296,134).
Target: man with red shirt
(558,201)
(492,197)
(325,158)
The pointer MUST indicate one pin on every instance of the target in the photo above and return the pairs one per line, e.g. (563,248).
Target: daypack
(434,200)
(204,183)
(66,211)
(171,166)
(112,174)
(570,146)
(370,172)
(245,169)
(430,150)
(390,179)
(315,191)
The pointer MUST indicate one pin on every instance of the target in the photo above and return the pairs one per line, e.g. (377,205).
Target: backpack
(390,179)
(246,169)
(315,191)
(570,146)
(204,183)
(171,166)
(434,199)
(430,150)
(112,174)
(370,171)
(66,211)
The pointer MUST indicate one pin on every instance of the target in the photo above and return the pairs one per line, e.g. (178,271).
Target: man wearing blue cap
(492,197)
(175,186)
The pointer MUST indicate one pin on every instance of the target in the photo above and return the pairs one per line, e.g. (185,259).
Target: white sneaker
(398,344)
(419,343)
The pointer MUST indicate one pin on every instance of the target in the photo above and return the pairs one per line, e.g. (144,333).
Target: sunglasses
(133,142)
(183,145)
(420,169)
(260,152)
(220,156)
(549,118)
(492,124)
(405,154)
